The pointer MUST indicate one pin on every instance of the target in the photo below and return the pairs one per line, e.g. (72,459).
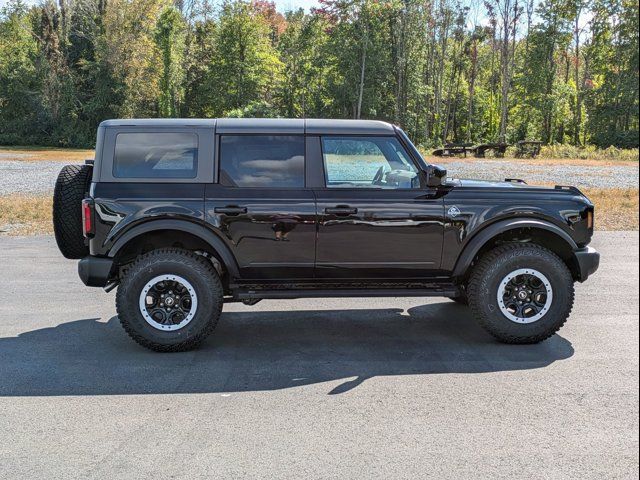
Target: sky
(281,5)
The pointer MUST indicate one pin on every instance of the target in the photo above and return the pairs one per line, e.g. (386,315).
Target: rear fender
(214,241)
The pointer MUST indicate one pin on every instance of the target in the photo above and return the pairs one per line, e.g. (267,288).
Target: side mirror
(436,176)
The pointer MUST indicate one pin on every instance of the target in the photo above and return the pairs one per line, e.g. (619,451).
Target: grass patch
(589,153)
(554,155)
(616,209)
(25,215)
(39,154)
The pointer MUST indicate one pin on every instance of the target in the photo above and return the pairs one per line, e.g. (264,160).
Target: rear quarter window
(156,155)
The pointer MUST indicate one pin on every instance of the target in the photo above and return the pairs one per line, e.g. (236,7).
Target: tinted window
(262,161)
(156,155)
(369,162)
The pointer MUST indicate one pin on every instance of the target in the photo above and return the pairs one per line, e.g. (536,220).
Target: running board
(449,291)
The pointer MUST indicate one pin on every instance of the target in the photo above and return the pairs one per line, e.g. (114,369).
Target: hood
(513,184)
(507,183)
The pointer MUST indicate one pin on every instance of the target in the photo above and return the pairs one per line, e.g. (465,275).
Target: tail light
(87,217)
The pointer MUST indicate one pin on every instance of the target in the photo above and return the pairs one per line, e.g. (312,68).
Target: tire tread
(201,266)
(70,189)
(481,268)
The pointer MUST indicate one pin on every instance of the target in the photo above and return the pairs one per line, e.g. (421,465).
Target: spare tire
(71,188)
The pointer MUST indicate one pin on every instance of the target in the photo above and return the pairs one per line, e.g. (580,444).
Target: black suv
(184,215)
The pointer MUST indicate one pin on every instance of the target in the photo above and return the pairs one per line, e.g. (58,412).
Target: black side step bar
(449,291)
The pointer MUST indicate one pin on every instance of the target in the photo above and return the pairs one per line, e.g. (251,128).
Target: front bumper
(588,260)
(95,271)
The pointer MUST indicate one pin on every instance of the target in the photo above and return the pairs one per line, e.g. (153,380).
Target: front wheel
(170,300)
(521,293)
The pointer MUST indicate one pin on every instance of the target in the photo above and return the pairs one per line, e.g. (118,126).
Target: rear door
(261,204)
(376,220)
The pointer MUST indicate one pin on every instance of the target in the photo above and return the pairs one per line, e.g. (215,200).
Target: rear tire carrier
(71,188)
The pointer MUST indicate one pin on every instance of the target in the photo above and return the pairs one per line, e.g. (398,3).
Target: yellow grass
(37,154)
(22,215)
(616,209)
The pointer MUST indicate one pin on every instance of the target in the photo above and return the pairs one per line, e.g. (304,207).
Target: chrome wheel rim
(525,295)
(168,302)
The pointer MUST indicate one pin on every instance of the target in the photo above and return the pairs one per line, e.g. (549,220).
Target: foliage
(589,152)
(169,38)
(560,71)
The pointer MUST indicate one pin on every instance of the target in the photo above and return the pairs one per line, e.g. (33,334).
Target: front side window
(156,155)
(367,162)
(270,161)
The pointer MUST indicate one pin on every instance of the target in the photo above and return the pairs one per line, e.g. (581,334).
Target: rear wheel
(170,300)
(521,293)
(71,187)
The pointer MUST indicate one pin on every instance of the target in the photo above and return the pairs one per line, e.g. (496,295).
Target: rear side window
(156,155)
(271,161)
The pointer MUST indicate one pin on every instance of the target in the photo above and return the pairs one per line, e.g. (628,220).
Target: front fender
(475,243)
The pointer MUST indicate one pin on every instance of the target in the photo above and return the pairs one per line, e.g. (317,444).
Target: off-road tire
(70,189)
(494,266)
(198,271)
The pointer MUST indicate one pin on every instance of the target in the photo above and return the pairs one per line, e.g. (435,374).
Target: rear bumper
(95,271)
(588,262)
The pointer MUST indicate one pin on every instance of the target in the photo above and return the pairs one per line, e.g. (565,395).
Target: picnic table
(451,149)
(499,149)
(528,148)
(478,151)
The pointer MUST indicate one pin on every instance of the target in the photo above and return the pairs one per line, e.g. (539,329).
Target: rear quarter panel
(121,206)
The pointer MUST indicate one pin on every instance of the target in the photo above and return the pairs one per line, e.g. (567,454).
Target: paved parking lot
(355,388)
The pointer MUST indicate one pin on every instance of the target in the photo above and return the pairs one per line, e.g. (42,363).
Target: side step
(448,291)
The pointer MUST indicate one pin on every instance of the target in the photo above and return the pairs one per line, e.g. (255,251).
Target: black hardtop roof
(265,125)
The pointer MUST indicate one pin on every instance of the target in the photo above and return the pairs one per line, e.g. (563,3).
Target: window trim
(218,160)
(205,139)
(368,189)
(115,157)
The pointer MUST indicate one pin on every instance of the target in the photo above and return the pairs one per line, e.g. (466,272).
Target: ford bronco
(184,215)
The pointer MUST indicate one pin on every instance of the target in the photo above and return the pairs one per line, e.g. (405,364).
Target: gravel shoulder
(28,178)
(581,176)
(349,388)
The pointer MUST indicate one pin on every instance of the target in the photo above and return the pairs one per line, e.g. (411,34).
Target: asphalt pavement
(337,388)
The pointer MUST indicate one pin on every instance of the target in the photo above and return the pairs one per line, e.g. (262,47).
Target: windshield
(412,150)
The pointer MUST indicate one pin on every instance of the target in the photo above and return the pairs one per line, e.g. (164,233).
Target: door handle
(341,210)
(230,210)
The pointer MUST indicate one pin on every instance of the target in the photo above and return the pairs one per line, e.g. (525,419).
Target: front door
(376,221)
(261,205)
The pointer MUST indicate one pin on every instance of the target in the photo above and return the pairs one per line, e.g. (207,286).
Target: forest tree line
(559,71)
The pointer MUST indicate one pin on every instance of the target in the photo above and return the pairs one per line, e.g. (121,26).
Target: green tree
(20,86)
(169,37)
(303,91)
(246,66)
